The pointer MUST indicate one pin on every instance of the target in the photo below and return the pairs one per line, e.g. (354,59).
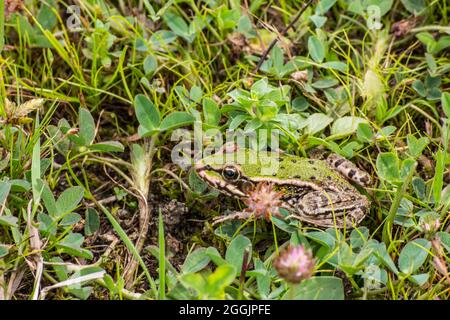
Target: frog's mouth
(214,178)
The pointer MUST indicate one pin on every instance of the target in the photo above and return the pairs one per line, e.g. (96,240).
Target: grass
(93,206)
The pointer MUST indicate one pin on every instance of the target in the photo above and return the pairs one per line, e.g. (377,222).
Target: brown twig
(282,33)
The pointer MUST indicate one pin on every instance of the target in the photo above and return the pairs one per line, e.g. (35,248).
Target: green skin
(311,190)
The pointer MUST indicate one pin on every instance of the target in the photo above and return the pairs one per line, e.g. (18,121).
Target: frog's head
(230,172)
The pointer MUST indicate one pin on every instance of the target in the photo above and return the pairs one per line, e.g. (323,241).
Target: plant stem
(387,229)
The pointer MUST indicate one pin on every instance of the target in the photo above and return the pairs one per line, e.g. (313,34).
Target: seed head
(264,201)
(295,264)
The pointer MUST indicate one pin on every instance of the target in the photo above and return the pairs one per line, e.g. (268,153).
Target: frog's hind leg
(349,170)
(241,215)
(330,209)
(349,220)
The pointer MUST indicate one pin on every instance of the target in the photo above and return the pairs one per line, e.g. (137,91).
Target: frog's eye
(230,173)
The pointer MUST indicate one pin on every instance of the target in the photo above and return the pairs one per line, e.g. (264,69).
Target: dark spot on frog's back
(338,162)
(311,162)
(351,173)
(294,160)
(297,177)
(365,179)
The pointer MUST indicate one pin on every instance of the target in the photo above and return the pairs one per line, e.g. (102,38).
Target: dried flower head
(12,6)
(403,27)
(438,259)
(239,43)
(295,264)
(264,201)
(301,76)
(430,223)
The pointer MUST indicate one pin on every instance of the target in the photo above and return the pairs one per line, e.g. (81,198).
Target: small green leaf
(215,256)
(46,17)
(416,146)
(444,237)
(211,112)
(49,201)
(69,200)
(87,127)
(175,120)
(8,221)
(431,62)
(20,185)
(317,122)
(388,166)
(3,250)
(161,39)
(316,49)
(427,39)
(322,237)
(70,219)
(36,182)
(383,255)
(197,184)
(438,180)
(92,223)
(71,244)
(150,64)
(237,121)
(346,125)
(420,279)
(178,26)
(47,224)
(146,113)
(445,101)
(260,88)
(413,255)
(325,83)
(336,65)
(419,187)
(358,237)
(324,5)
(5,187)
(195,261)
(107,146)
(252,125)
(414,6)
(236,252)
(364,132)
(318,20)
(222,277)
(408,164)
(319,288)
(194,281)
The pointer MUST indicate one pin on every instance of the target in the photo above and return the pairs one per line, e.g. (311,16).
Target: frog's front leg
(349,170)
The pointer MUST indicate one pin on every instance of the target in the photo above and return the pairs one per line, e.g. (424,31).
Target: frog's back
(286,167)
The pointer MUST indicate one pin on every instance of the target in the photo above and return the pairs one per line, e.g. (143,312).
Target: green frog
(314,191)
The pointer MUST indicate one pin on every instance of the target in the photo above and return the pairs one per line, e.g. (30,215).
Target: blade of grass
(162,260)
(122,234)
(2,25)
(129,244)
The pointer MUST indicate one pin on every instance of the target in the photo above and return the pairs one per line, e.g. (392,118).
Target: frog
(318,192)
